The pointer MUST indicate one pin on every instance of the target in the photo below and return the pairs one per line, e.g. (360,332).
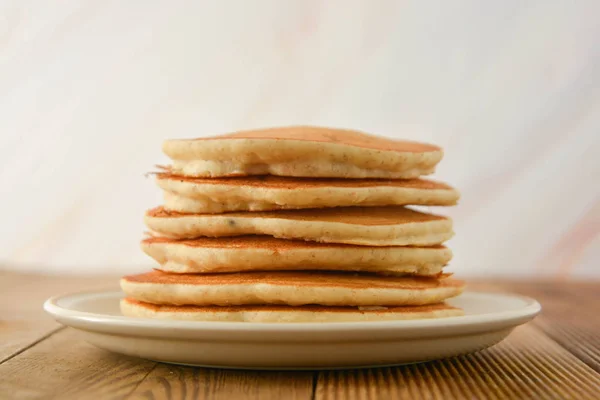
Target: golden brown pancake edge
(352,280)
(327,135)
(265,242)
(357,215)
(295,183)
(282,308)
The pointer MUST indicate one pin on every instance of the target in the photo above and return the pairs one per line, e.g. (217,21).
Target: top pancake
(328,135)
(267,192)
(301,151)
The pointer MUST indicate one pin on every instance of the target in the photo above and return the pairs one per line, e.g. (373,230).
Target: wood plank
(581,339)
(22,322)
(22,319)
(22,295)
(177,382)
(64,367)
(526,365)
(16,336)
(569,316)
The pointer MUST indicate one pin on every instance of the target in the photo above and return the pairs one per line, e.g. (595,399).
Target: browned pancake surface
(294,278)
(329,135)
(261,242)
(280,182)
(368,216)
(279,308)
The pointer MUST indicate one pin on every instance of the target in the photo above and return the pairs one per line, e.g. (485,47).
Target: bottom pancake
(283,314)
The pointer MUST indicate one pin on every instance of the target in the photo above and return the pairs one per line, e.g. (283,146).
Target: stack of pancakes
(296,224)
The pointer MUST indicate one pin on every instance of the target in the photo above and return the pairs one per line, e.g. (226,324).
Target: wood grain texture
(569,316)
(555,357)
(16,336)
(175,382)
(64,367)
(526,365)
(22,320)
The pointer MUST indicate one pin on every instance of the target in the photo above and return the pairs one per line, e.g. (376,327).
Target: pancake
(262,253)
(289,288)
(302,151)
(283,314)
(261,193)
(368,226)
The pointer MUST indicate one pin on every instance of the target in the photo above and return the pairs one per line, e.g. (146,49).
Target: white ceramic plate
(489,319)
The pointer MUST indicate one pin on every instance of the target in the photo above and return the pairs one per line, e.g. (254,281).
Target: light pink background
(511,89)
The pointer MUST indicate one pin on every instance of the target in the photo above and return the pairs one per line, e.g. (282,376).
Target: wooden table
(556,356)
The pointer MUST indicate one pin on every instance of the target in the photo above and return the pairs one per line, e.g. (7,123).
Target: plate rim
(309,331)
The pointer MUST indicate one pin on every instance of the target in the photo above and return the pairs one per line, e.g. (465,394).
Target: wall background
(511,90)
